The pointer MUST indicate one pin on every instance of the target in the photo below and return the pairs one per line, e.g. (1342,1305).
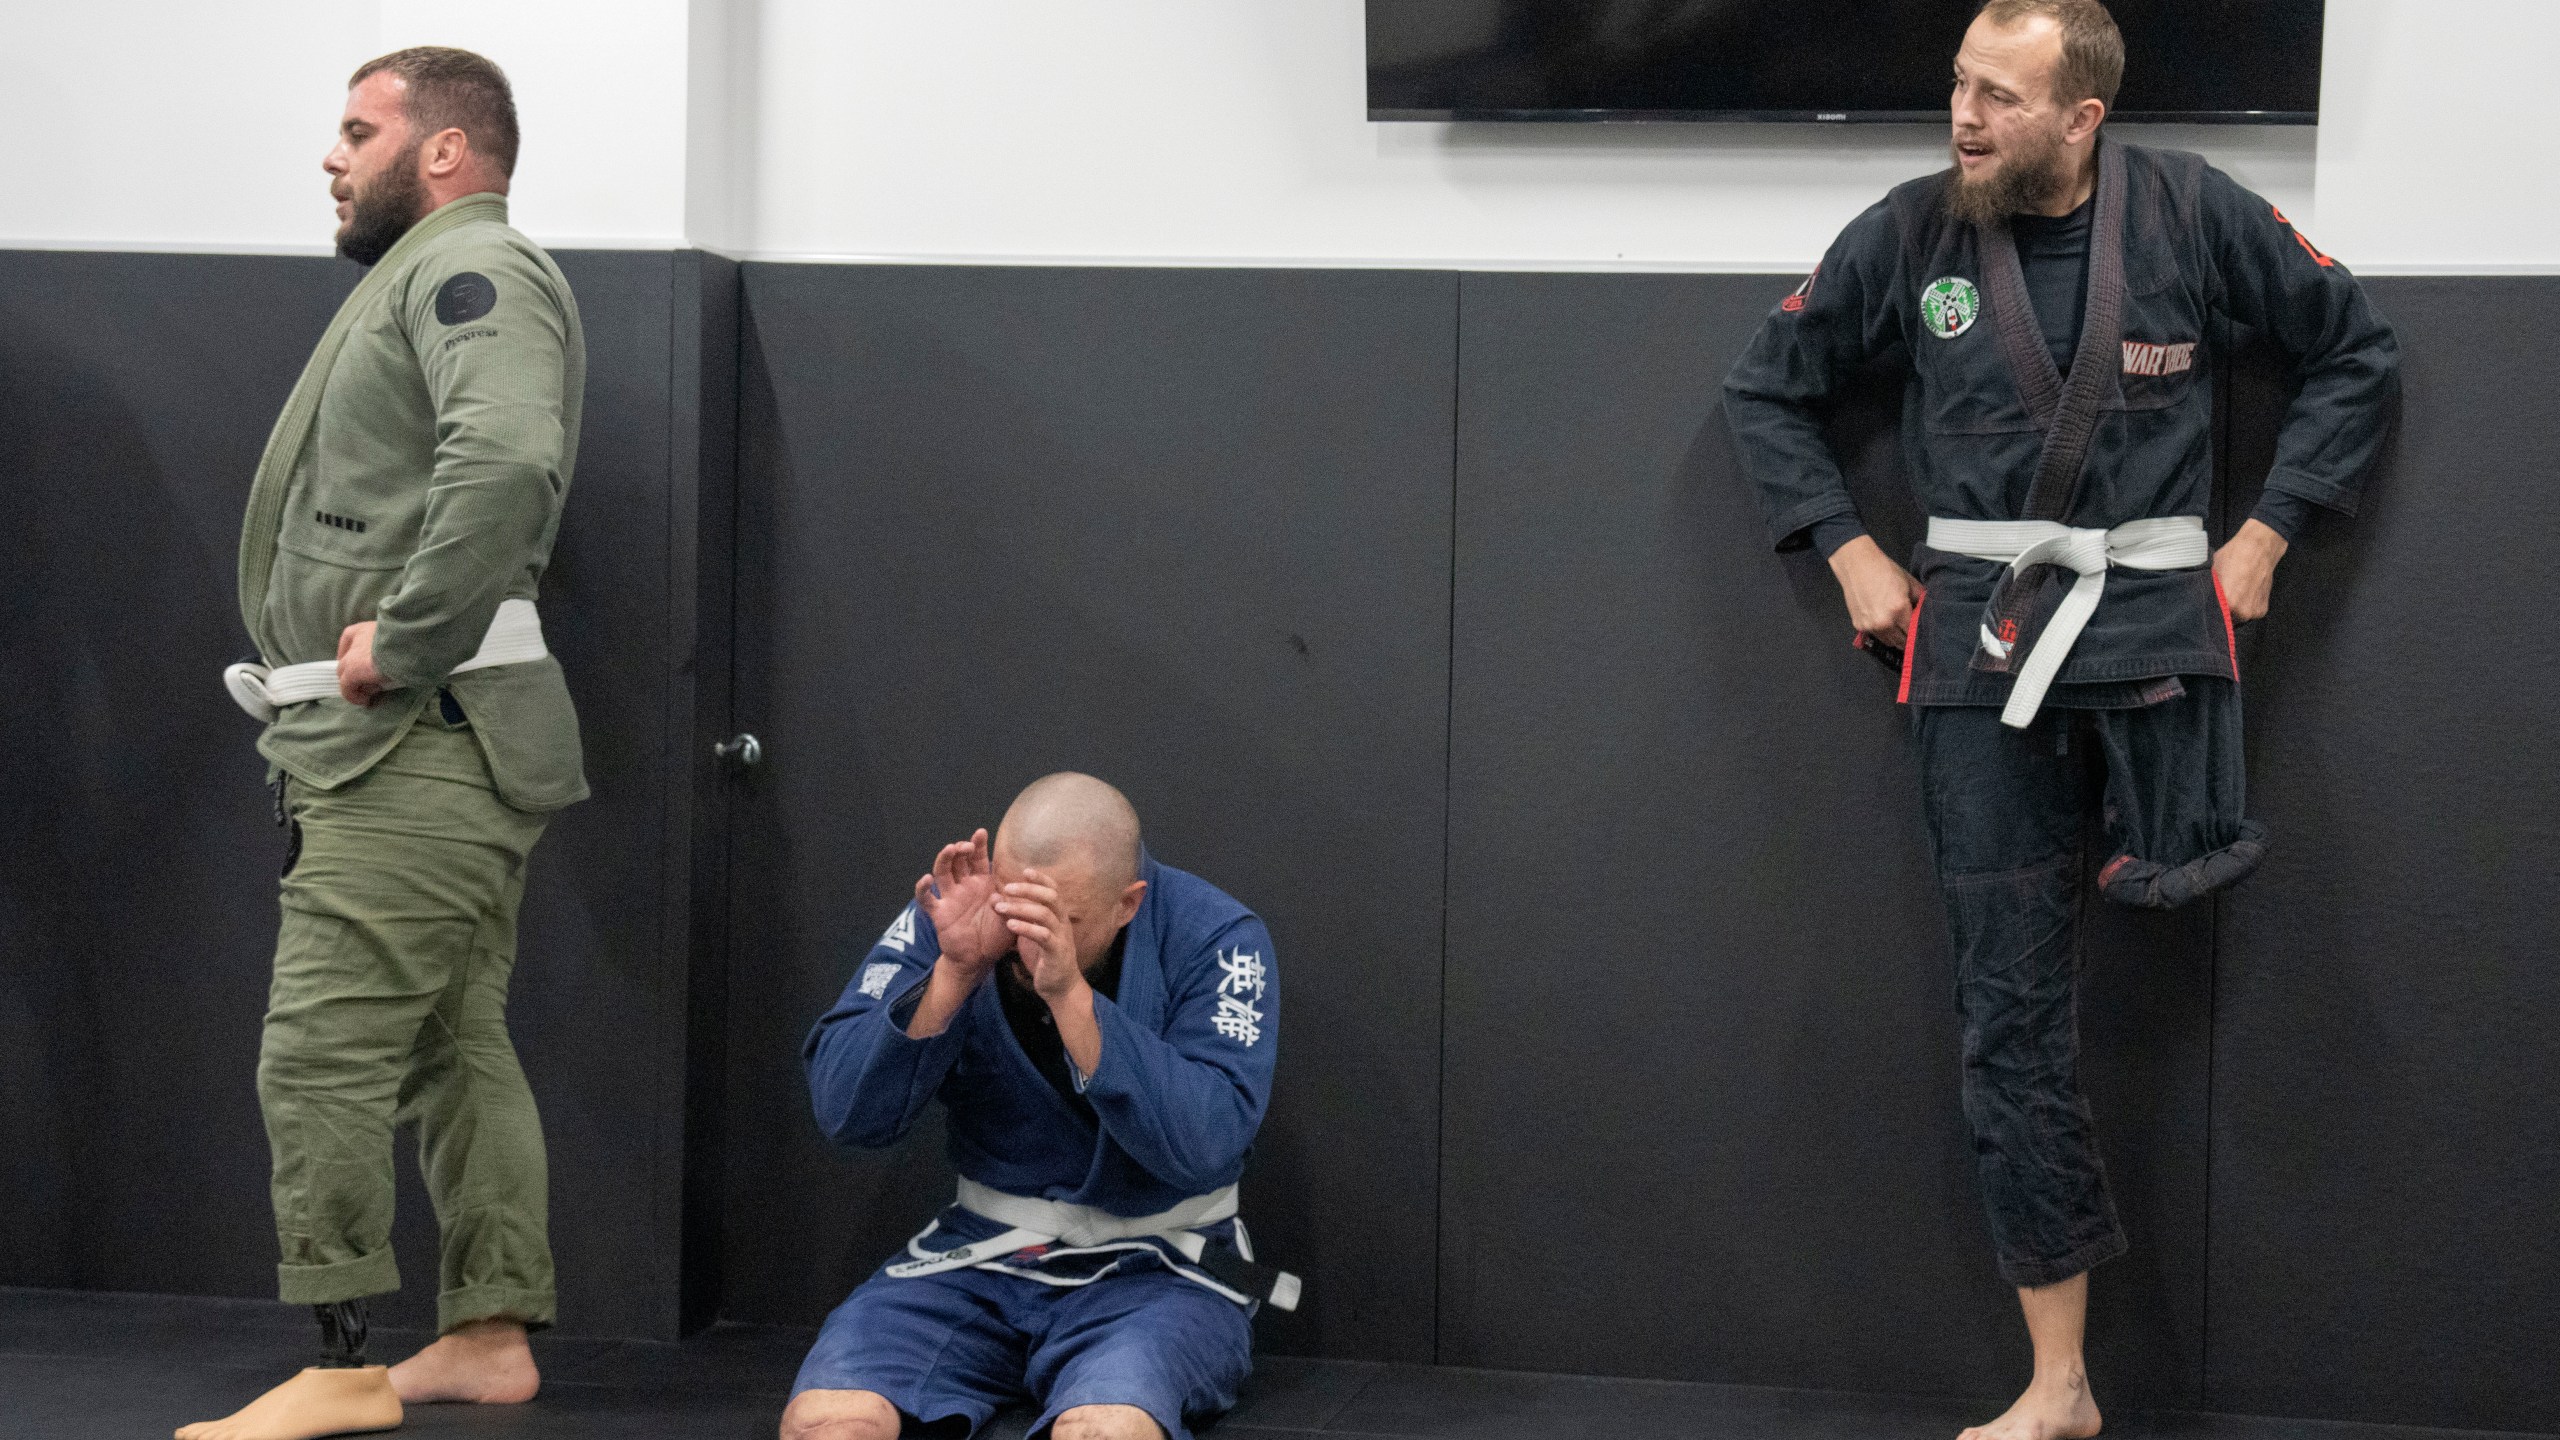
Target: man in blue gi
(1100,1029)
(2069,625)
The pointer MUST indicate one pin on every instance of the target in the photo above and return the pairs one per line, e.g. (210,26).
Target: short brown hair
(452,89)
(2092,63)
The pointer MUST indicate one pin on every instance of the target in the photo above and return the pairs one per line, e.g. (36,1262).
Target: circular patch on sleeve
(1949,305)
(466,296)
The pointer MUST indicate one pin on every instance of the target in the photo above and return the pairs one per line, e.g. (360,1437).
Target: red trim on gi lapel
(1910,647)
(2230,635)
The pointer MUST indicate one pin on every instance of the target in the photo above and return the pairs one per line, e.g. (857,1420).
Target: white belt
(2170,542)
(515,636)
(1085,1230)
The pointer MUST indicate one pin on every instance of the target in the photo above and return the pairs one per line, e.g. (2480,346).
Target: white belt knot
(515,636)
(2169,542)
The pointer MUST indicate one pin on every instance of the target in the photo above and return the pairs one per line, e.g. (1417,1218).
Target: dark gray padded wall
(1701,1067)
(2386,1162)
(137,893)
(1187,529)
(137,862)
(1700,1070)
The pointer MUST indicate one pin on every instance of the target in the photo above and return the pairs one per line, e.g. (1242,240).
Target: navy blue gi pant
(2007,811)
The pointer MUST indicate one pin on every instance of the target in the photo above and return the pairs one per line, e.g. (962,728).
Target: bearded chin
(2022,182)
(384,211)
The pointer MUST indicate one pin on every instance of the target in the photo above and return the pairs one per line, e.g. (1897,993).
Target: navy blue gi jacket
(2195,244)
(1187,1052)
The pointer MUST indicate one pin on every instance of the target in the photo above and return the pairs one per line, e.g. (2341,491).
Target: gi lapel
(302,409)
(1142,991)
(2066,409)
(1144,987)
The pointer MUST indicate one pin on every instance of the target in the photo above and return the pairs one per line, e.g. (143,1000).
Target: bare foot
(483,1363)
(313,1403)
(2055,1407)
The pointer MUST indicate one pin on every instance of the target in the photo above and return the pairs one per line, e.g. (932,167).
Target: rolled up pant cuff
(2150,885)
(533,1309)
(374,1274)
(2032,1273)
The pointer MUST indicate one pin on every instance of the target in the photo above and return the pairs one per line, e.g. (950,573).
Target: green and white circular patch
(1948,306)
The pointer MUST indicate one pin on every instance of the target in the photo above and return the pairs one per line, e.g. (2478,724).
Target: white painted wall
(1155,131)
(1169,130)
(180,124)
(601,89)
(2436,135)
(166,123)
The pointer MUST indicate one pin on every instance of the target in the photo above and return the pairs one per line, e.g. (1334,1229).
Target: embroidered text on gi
(2143,358)
(1240,985)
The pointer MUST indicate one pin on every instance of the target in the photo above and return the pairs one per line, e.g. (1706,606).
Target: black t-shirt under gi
(2053,252)
(1033,1029)
(1974,419)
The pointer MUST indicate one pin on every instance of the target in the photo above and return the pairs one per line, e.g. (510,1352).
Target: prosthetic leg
(341,1395)
(343,1329)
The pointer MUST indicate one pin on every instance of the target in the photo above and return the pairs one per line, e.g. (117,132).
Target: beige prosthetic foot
(314,1403)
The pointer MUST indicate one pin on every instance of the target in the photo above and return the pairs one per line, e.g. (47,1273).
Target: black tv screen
(2248,61)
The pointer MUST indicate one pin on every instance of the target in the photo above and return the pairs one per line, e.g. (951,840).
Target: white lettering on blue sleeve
(902,931)
(1240,988)
(876,978)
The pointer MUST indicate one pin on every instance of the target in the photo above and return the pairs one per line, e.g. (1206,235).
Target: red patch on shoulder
(2308,248)
(1795,302)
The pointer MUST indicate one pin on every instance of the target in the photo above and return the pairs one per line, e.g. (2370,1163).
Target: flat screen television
(2213,61)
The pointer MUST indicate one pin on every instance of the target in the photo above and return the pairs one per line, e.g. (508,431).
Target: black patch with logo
(466,296)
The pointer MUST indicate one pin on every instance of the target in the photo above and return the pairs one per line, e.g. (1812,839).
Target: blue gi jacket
(1187,1052)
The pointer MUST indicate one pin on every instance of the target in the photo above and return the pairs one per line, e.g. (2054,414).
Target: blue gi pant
(950,1350)
(2007,810)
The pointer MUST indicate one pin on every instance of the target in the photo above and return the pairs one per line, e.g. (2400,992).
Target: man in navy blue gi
(1101,1030)
(2051,292)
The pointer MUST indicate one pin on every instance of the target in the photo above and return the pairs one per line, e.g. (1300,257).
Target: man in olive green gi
(420,735)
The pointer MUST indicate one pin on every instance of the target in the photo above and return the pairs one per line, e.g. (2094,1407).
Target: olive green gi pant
(390,1007)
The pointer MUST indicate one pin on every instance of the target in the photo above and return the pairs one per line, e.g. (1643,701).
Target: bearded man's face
(382,209)
(2013,176)
(373,170)
(2008,142)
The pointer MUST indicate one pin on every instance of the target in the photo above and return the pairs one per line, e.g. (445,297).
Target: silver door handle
(739,750)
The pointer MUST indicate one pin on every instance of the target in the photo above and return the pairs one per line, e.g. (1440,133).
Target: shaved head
(1083,836)
(1073,823)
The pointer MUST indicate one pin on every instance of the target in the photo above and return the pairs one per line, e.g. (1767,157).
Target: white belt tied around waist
(1086,1225)
(515,636)
(1085,1230)
(2170,542)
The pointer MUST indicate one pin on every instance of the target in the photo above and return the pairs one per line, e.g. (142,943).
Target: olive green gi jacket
(416,479)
